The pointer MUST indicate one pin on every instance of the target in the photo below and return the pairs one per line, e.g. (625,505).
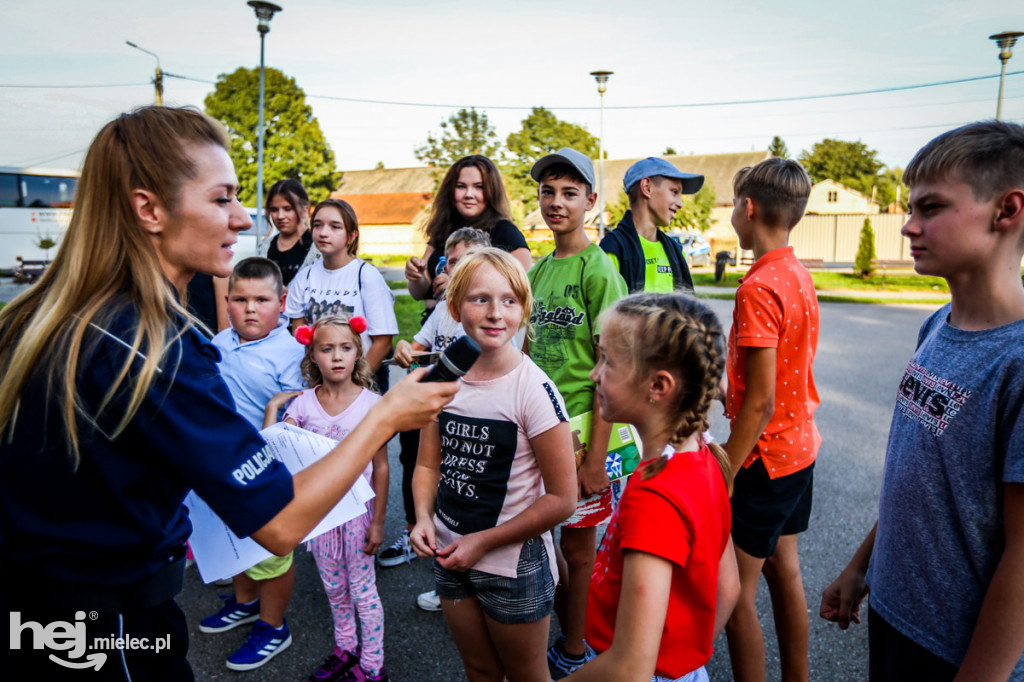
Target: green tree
(778,148)
(542,133)
(616,208)
(465,132)
(293,144)
(851,163)
(866,250)
(696,211)
(670,151)
(889,184)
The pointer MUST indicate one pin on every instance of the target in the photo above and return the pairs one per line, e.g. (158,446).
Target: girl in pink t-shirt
(340,397)
(494,475)
(654,607)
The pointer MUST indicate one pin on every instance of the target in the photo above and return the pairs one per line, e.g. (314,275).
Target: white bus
(35,210)
(35,206)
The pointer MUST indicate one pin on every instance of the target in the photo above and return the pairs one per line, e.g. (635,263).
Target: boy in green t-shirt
(571,287)
(639,248)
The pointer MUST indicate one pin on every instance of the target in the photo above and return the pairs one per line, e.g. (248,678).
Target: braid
(679,334)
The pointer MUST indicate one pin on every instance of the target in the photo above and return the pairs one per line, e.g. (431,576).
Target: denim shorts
(698,675)
(511,601)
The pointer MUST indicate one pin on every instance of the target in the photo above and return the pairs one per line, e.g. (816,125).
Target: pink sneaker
(360,675)
(335,668)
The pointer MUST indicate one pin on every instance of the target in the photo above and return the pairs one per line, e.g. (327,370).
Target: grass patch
(707,279)
(408,311)
(389,260)
(900,280)
(397,284)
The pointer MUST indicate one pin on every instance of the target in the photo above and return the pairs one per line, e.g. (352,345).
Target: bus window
(8,189)
(44,191)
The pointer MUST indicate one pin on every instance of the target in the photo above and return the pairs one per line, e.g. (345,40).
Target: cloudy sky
(504,57)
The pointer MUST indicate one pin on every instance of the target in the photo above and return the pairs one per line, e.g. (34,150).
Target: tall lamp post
(602,79)
(264,13)
(1005,41)
(158,79)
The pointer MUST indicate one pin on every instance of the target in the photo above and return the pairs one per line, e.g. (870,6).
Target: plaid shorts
(511,601)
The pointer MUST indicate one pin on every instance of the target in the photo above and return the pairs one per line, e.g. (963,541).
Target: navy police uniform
(106,539)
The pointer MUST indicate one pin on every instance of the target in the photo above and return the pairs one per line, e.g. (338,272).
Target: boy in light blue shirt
(259,359)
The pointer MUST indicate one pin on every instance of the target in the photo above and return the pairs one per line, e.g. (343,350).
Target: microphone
(456,360)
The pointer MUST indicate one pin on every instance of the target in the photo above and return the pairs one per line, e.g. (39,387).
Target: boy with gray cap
(638,246)
(571,287)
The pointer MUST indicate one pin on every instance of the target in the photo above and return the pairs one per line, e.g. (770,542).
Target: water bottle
(440,270)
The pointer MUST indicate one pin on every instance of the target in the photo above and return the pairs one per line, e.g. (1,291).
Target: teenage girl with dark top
(471,195)
(288,209)
(112,409)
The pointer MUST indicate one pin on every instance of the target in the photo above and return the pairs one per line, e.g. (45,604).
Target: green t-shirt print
(569,295)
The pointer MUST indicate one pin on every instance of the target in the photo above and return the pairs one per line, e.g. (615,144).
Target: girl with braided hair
(654,607)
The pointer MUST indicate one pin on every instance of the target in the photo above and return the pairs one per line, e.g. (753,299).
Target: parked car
(696,249)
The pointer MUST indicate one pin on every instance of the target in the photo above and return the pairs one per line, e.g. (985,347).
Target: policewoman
(111,409)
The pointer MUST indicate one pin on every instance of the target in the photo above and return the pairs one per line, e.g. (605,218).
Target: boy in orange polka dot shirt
(771,401)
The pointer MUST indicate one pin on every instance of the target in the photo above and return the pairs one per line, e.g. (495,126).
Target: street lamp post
(1005,41)
(264,13)
(158,79)
(602,79)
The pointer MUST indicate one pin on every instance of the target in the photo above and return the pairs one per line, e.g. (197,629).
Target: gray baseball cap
(651,166)
(579,161)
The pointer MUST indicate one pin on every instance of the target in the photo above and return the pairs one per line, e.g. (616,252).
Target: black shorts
(763,509)
(894,657)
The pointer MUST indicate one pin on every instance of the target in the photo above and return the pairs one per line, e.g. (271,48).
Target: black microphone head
(460,356)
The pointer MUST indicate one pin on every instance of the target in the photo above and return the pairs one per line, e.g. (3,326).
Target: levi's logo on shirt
(930,399)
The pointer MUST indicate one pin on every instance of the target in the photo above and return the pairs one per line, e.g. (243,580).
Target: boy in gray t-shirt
(947,553)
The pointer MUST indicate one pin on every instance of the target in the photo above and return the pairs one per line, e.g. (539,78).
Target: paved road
(862,352)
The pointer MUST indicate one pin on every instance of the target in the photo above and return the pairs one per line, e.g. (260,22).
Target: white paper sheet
(219,553)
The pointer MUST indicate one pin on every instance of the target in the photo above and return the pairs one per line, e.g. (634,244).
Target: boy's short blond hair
(504,263)
(988,156)
(780,187)
(469,236)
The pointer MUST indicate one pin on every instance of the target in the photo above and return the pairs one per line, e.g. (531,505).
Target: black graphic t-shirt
(489,471)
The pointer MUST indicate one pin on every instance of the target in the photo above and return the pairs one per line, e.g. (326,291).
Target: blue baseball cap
(581,162)
(651,166)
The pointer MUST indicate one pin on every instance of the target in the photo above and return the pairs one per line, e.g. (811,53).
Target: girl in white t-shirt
(494,475)
(342,284)
(341,395)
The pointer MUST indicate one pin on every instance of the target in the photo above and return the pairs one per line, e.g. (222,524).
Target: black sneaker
(398,553)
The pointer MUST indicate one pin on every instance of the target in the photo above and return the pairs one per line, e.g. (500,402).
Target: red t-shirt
(776,307)
(682,515)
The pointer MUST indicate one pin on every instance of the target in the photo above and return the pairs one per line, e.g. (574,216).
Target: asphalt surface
(861,355)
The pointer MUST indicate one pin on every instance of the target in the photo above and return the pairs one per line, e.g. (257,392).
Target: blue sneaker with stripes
(231,615)
(561,664)
(263,643)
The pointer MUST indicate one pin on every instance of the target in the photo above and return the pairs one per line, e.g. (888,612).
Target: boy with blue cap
(647,259)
